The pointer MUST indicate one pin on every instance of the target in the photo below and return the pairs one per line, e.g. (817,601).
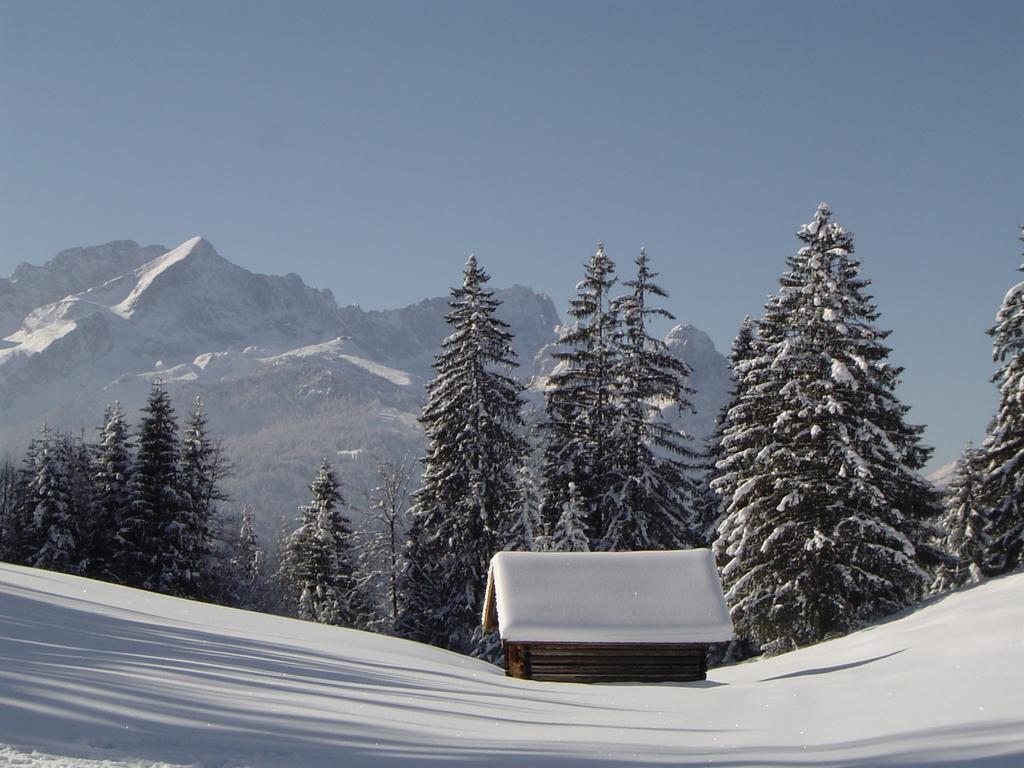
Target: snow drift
(97,675)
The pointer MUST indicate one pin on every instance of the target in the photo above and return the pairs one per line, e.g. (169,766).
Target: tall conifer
(149,546)
(653,495)
(318,563)
(582,412)
(1002,463)
(829,524)
(473,422)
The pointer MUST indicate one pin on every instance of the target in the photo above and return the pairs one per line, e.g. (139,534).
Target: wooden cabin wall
(607,662)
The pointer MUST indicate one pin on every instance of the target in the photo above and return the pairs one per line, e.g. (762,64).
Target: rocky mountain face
(287,376)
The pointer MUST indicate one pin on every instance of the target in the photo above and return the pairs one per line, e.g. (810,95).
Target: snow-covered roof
(607,597)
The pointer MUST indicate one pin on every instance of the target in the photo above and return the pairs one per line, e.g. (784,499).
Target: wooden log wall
(607,662)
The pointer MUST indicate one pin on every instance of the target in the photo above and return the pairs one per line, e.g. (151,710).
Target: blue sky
(371,147)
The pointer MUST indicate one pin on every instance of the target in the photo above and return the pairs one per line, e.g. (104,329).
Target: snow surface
(98,675)
(610,597)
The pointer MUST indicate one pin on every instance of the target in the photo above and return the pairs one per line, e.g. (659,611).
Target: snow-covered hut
(606,616)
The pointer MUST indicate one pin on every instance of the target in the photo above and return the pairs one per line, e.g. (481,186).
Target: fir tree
(54,526)
(472,419)
(199,571)
(965,524)
(524,528)
(112,482)
(9,522)
(732,446)
(317,564)
(581,410)
(1002,483)
(569,533)
(248,564)
(654,495)
(149,544)
(829,526)
(20,541)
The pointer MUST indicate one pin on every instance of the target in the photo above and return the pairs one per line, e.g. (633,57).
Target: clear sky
(371,147)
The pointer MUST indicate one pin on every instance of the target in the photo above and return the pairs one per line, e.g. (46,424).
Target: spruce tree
(581,410)
(318,566)
(654,495)
(20,542)
(54,527)
(9,522)
(473,422)
(200,571)
(965,524)
(149,540)
(523,532)
(112,480)
(829,525)
(1002,463)
(570,532)
(248,565)
(743,430)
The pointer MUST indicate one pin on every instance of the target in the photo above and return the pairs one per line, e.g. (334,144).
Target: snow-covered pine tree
(653,499)
(524,528)
(581,411)
(148,549)
(112,481)
(248,565)
(473,423)
(829,526)
(201,570)
(743,429)
(1002,482)
(78,458)
(9,523)
(965,524)
(570,533)
(20,543)
(317,564)
(54,527)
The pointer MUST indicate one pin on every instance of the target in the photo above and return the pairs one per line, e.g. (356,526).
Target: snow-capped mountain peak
(194,248)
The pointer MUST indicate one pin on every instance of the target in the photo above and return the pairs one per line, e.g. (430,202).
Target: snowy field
(96,675)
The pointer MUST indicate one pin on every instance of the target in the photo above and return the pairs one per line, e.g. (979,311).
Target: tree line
(809,492)
(138,509)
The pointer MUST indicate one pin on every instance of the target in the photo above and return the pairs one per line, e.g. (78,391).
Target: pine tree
(249,566)
(317,565)
(524,528)
(10,532)
(149,552)
(112,480)
(20,541)
(472,420)
(581,409)
(570,534)
(54,526)
(829,525)
(654,495)
(965,523)
(78,458)
(202,552)
(744,429)
(1002,483)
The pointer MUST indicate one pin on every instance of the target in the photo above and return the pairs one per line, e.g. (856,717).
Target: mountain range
(288,376)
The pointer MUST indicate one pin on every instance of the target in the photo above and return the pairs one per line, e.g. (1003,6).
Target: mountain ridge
(287,375)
